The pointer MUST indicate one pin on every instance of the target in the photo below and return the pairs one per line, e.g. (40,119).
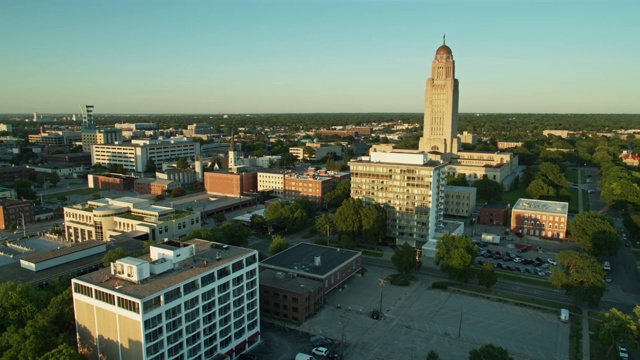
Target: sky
(272,56)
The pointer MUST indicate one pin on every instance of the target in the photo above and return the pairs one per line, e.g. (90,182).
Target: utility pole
(381,281)
(327,234)
(460,325)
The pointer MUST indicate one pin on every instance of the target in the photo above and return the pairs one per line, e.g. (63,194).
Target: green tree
(309,152)
(349,217)
(307,205)
(63,352)
(182,163)
(258,223)
(454,254)
(288,160)
(433,355)
(40,179)
(233,233)
(278,244)
(458,180)
(342,192)
(595,233)
(219,218)
(487,275)
(150,166)
(159,197)
(326,224)
(112,256)
(374,223)
(404,259)
(488,189)
(553,175)
(177,192)
(617,325)
(538,189)
(54,178)
(489,352)
(580,276)
(23,189)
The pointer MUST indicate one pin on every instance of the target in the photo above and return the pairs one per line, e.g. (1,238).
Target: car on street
(608,279)
(622,351)
(320,351)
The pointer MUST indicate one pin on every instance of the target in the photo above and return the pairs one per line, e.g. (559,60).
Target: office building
(104,219)
(134,156)
(155,186)
(93,136)
(459,200)
(16,212)
(55,138)
(185,300)
(540,218)
(109,181)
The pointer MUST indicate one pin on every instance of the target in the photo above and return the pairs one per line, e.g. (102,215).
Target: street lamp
(24,229)
(381,281)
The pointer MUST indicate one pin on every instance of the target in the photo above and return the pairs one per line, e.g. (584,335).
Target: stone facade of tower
(441,107)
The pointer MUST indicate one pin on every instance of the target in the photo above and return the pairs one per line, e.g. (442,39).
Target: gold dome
(443,50)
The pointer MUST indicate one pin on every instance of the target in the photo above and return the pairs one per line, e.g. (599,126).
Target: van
(564,315)
(302,356)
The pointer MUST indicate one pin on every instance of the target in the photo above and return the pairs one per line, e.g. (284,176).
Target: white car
(320,351)
(517,259)
(552,261)
(622,352)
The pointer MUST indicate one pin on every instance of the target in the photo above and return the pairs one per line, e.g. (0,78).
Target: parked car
(529,271)
(322,342)
(510,268)
(541,273)
(320,351)
(608,279)
(552,261)
(622,351)
(500,266)
(545,266)
(627,244)
(522,250)
(517,259)
(539,259)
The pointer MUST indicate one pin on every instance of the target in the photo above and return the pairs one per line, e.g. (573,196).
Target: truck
(491,238)
(302,356)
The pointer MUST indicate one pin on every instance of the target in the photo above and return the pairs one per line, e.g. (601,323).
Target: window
(191,303)
(153,335)
(172,295)
(151,304)
(153,322)
(130,305)
(192,315)
(173,312)
(83,289)
(105,297)
(208,279)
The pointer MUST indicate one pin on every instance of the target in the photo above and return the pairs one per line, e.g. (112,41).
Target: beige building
(561,133)
(271,181)
(321,150)
(134,156)
(540,218)
(509,144)
(468,138)
(185,300)
(409,187)
(103,219)
(459,200)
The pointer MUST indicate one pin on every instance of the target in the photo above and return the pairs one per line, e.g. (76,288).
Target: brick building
(9,174)
(545,219)
(232,184)
(154,186)
(111,181)
(294,283)
(13,212)
(312,187)
(495,213)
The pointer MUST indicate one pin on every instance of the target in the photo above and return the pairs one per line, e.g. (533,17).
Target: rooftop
(185,270)
(302,259)
(531,205)
(269,277)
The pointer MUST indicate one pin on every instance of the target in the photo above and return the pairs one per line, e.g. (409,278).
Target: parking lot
(419,319)
(520,260)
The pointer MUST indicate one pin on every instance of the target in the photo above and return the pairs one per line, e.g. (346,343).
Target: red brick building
(110,181)
(495,213)
(541,218)
(9,174)
(12,212)
(294,283)
(154,186)
(311,186)
(231,184)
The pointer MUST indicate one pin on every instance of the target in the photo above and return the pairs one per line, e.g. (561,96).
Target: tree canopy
(404,259)
(454,254)
(580,276)
(488,189)
(278,244)
(617,325)
(232,233)
(487,275)
(489,352)
(113,255)
(24,189)
(595,233)
(342,192)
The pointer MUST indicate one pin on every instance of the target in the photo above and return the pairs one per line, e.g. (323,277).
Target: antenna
(443,39)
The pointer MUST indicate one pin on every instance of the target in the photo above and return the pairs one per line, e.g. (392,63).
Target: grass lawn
(512,196)
(586,206)
(537,281)
(572,175)
(575,339)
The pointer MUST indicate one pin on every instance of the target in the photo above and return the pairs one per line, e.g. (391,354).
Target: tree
(182,163)
(595,233)
(617,325)
(232,233)
(454,254)
(177,192)
(150,166)
(579,275)
(288,159)
(458,180)
(219,218)
(374,223)
(342,192)
(489,352)
(349,217)
(552,175)
(488,189)
(159,197)
(23,189)
(112,256)
(258,222)
(433,355)
(309,152)
(539,189)
(487,275)
(404,259)
(307,205)
(40,179)
(278,244)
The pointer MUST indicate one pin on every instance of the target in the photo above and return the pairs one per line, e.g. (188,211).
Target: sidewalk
(586,351)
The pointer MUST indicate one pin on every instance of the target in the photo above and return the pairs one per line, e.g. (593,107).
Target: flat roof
(62,251)
(542,206)
(187,269)
(301,259)
(281,280)
(495,205)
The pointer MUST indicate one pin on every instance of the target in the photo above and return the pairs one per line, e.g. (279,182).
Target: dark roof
(61,251)
(301,258)
(496,205)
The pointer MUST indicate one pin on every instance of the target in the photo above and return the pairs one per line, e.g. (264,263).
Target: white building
(271,181)
(459,200)
(134,156)
(105,218)
(185,300)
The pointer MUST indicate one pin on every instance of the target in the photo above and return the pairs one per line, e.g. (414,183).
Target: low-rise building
(16,212)
(294,283)
(312,187)
(185,177)
(320,151)
(134,156)
(103,219)
(111,181)
(53,138)
(494,213)
(186,300)
(467,137)
(541,218)
(154,186)
(9,174)
(230,183)
(509,144)
(459,200)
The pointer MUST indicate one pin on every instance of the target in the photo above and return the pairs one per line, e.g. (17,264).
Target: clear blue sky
(135,56)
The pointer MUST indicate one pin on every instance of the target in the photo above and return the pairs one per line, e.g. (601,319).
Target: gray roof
(542,206)
(301,259)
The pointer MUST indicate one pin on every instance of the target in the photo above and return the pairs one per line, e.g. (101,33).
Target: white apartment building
(102,219)
(459,200)
(409,186)
(134,156)
(271,181)
(185,300)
